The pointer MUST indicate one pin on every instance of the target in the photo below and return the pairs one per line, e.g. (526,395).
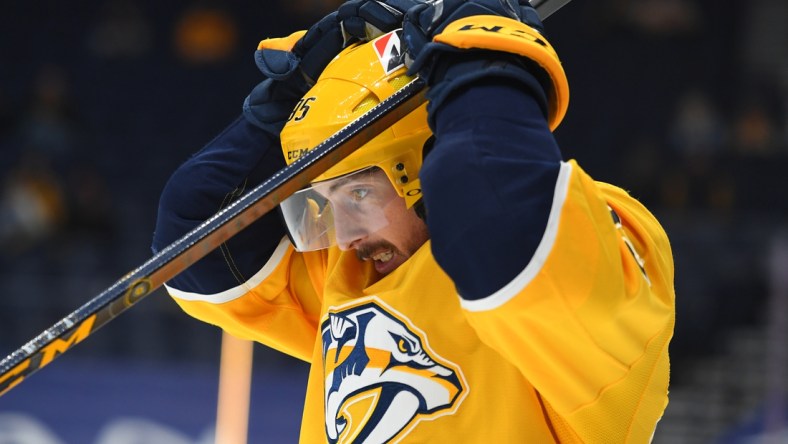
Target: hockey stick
(172,260)
(546,8)
(206,237)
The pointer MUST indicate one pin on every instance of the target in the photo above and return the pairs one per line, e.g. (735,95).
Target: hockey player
(454,280)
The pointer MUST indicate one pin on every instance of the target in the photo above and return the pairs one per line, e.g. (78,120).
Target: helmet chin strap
(419,207)
(427,147)
(420,210)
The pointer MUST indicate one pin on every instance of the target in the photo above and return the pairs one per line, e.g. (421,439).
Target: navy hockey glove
(364,20)
(426,20)
(292,65)
(452,43)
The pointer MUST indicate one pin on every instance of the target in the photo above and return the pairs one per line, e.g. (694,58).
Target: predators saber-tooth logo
(381,378)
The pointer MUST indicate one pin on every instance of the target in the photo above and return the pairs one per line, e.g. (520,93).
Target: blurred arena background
(682,102)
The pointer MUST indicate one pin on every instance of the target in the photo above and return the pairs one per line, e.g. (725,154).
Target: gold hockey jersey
(574,349)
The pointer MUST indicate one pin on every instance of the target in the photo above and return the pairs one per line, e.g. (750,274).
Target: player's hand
(291,65)
(453,43)
(364,20)
(428,19)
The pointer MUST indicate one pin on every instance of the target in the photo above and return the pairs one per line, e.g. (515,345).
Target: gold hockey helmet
(360,77)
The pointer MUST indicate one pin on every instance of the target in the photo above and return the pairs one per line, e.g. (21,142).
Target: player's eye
(358,194)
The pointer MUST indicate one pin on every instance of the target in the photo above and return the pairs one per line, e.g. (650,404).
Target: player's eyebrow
(341,181)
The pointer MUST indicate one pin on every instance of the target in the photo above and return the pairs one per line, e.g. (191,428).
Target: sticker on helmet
(388,50)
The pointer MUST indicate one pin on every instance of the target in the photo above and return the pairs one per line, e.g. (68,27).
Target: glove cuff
(508,35)
(501,34)
(455,69)
(269,105)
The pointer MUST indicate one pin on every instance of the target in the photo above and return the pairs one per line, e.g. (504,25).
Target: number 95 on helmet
(360,77)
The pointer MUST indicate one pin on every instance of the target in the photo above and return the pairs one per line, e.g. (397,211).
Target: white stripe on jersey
(236,292)
(520,281)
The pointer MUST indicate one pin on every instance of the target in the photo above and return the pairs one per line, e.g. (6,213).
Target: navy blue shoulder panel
(239,158)
(489,182)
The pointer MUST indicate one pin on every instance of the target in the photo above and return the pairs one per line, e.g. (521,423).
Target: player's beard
(411,239)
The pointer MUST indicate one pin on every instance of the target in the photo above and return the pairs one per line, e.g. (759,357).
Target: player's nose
(349,230)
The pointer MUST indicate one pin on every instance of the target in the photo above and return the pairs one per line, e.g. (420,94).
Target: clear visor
(338,211)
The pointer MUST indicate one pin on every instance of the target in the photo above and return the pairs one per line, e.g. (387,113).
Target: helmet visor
(338,211)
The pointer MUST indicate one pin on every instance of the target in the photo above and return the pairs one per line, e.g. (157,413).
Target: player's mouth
(384,261)
(384,258)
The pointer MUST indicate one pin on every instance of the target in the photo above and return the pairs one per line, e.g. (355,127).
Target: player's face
(360,203)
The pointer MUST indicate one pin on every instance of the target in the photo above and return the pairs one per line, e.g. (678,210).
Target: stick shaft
(546,8)
(209,235)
